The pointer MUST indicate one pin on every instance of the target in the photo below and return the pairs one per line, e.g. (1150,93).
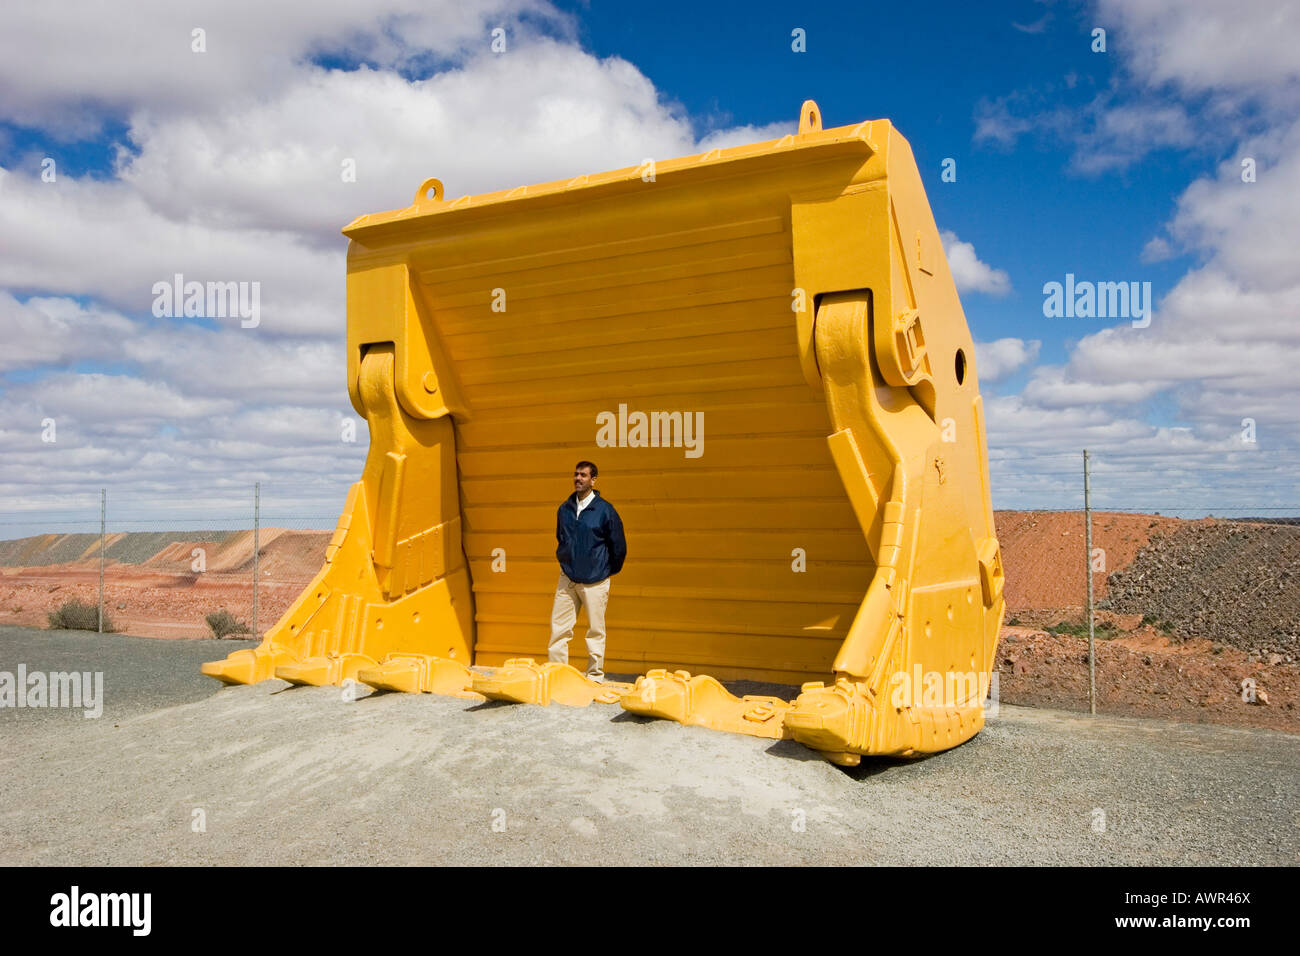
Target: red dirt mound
(1043,553)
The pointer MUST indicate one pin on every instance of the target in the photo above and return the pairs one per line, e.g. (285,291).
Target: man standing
(591,549)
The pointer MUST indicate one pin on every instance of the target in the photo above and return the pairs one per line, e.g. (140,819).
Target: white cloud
(230,170)
(237,364)
(254,191)
(1105,133)
(743,135)
(1052,387)
(1206,46)
(1234,66)
(1157,249)
(118,403)
(1224,342)
(83,237)
(1115,136)
(69,68)
(1246,229)
(996,122)
(968,272)
(277,163)
(45,331)
(1038,26)
(997,360)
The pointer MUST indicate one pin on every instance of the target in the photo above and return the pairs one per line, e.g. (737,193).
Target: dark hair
(587,464)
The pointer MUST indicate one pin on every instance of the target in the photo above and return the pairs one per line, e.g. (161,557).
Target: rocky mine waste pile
(1235,583)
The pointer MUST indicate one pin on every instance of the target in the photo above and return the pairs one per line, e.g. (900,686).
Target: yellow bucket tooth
(746,321)
(403,676)
(846,720)
(524,681)
(420,673)
(319,671)
(250,666)
(518,680)
(842,759)
(659,694)
(702,701)
(832,719)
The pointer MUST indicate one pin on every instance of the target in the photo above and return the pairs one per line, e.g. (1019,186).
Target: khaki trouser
(569,596)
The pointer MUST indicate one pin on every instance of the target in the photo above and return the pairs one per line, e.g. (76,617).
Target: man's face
(582,481)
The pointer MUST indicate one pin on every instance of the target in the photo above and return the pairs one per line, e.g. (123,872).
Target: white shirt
(586,501)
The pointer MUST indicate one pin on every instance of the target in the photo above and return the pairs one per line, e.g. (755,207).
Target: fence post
(1087,566)
(103,509)
(257,527)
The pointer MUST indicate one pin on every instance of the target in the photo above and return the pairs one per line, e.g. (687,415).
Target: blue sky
(929,75)
(1120,165)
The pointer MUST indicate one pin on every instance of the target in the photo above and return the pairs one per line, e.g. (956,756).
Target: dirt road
(181,771)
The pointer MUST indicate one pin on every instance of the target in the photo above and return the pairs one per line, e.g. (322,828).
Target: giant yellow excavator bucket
(763,350)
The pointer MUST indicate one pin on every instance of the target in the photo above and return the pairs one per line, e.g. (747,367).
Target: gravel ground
(303,776)
(140,674)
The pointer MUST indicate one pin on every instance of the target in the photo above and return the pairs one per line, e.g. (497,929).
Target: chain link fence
(1196,596)
(169,561)
(1221,581)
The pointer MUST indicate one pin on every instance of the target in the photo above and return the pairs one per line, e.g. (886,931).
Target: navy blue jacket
(591,544)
